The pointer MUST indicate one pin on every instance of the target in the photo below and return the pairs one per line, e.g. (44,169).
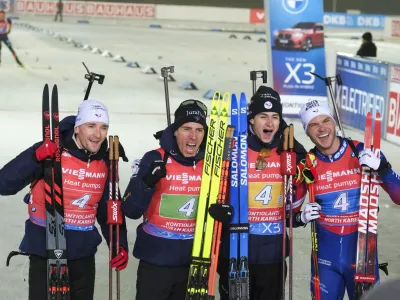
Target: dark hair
(2,12)
(367,36)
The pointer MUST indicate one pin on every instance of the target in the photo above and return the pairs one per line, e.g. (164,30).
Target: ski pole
(254,76)
(118,196)
(328,82)
(285,182)
(92,77)
(111,233)
(114,217)
(165,73)
(314,240)
(291,171)
(288,169)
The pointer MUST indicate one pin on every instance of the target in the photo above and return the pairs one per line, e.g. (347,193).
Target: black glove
(121,151)
(158,134)
(156,172)
(221,212)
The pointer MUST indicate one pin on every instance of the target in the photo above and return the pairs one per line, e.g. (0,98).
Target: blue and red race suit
(337,190)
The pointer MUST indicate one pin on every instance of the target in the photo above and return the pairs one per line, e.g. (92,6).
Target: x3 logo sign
(300,67)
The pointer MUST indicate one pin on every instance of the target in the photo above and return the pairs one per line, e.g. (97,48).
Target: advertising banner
(297,46)
(257,16)
(395,28)
(393,107)
(83,8)
(364,89)
(343,20)
(7,5)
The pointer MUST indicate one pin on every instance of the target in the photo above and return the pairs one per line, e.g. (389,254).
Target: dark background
(386,7)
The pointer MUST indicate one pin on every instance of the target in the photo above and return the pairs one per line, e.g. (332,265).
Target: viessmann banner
(297,45)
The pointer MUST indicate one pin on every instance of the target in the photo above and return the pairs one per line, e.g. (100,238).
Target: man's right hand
(156,172)
(46,149)
(310,212)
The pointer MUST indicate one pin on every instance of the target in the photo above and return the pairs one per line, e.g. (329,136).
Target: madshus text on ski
(222,197)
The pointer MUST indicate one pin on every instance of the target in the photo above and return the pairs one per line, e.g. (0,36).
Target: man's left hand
(120,261)
(368,158)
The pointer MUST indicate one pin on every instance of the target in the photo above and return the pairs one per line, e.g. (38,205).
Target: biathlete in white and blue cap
(337,165)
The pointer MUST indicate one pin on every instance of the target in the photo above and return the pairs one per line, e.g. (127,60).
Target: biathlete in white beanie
(91,125)
(336,172)
(85,191)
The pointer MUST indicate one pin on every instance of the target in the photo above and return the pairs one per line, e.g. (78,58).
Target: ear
(175,132)
(252,121)
(76,130)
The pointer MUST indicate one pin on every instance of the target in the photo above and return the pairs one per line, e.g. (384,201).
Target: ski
(234,288)
(210,183)
(221,199)
(114,217)
(56,246)
(365,276)
(244,275)
(372,236)
(239,285)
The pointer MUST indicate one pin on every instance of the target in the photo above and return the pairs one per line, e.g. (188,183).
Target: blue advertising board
(364,89)
(343,20)
(297,42)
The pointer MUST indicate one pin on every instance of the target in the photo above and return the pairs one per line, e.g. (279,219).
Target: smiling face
(189,138)
(322,131)
(265,125)
(91,135)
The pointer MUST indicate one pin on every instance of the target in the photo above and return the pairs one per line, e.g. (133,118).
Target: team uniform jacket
(165,238)
(265,199)
(85,191)
(337,190)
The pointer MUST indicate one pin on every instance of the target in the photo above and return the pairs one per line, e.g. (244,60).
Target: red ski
(365,277)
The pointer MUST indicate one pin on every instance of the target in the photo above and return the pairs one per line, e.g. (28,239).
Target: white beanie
(312,109)
(91,111)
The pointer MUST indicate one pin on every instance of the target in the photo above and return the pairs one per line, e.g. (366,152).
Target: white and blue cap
(91,111)
(312,109)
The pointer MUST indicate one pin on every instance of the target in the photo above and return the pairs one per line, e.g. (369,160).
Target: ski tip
(234,98)
(227,97)
(378,116)
(217,96)
(243,97)
(45,91)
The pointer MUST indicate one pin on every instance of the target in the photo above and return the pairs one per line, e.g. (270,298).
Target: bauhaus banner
(297,48)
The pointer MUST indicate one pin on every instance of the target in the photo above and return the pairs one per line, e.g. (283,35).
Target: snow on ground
(137,110)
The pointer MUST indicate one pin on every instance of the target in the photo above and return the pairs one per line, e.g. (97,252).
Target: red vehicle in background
(303,35)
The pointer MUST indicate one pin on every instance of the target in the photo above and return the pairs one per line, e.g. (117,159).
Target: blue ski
(239,230)
(243,202)
(234,291)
